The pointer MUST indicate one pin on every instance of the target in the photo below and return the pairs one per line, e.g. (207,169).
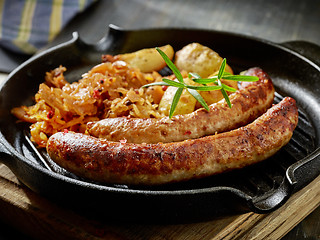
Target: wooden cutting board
(41,219)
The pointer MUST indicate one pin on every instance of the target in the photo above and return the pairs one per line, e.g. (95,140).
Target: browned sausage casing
(248,103)
(128,163)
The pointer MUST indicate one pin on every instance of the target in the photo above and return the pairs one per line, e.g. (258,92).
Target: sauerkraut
(110,89)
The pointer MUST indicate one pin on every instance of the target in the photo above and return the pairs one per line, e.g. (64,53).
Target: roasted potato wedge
(147,59)
(199,59)
(185,105)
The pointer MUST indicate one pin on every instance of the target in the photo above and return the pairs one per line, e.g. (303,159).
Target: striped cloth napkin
(28,25)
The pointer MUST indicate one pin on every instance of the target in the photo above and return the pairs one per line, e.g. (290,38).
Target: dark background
(275,20)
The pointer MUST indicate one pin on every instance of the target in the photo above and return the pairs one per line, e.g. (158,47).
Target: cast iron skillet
(260,188)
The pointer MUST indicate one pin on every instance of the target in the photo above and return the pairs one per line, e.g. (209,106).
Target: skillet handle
(306,49)
(298,175)
(272,200)
(304,171)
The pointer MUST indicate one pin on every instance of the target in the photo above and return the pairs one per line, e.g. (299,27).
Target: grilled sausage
(247,104)
(129,163)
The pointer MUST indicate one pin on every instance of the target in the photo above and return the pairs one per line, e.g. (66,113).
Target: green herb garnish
(193,90)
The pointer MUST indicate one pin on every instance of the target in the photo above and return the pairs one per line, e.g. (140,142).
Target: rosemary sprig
(193,90)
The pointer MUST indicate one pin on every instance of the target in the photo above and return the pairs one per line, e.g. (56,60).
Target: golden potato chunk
(147,59)
(185,105)
(199,59)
